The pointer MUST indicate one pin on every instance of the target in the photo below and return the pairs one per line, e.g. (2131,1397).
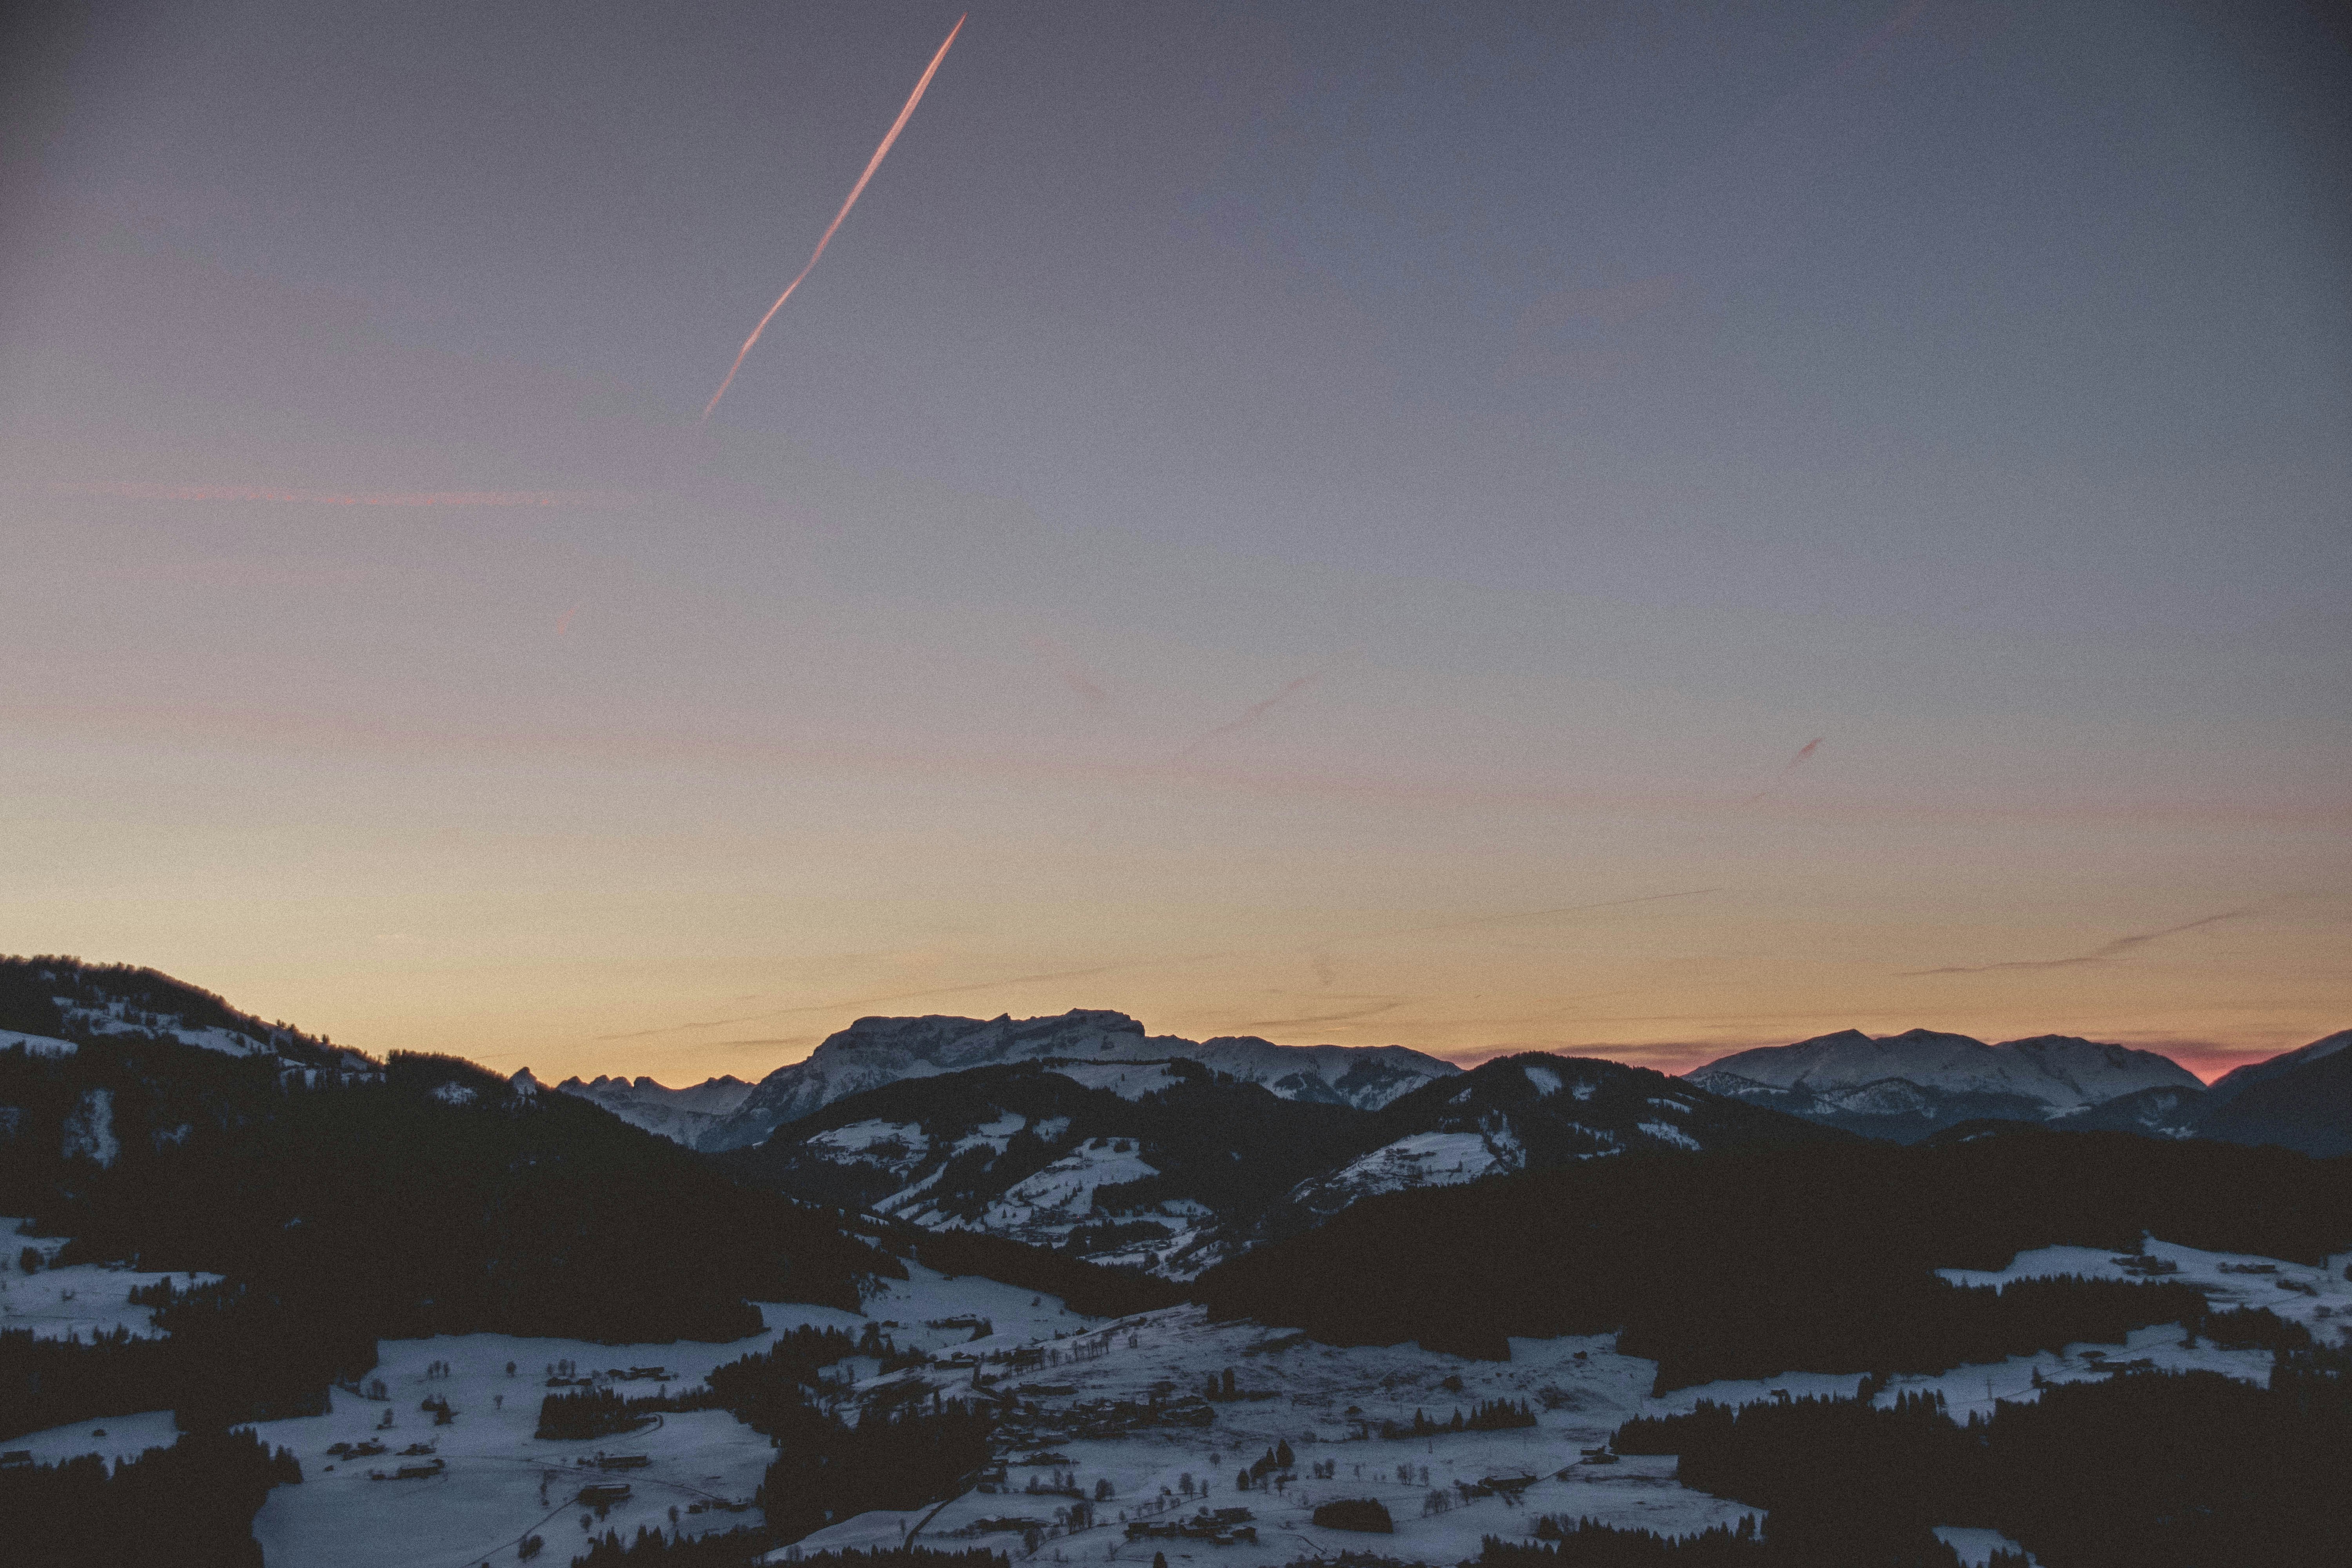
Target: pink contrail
(855,191)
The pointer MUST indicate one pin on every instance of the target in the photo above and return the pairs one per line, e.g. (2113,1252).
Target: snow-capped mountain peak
(1929,1078)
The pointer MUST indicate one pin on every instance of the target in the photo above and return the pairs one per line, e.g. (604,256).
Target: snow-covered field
(1318,1399)
(498,1483)
(84,1299)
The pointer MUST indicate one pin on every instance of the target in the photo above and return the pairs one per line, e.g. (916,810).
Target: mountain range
(873,1052)
(1909,1084)
(1903,1087)
(1170,1167)
(1083,1132)
(682,1115)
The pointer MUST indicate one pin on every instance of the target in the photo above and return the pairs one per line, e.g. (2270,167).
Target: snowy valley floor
(497,1483)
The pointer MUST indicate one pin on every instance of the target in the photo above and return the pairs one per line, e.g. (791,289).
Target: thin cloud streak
(1254,713)
(1803,752)
(854,192)
(597,500)
(213,725)
(1354,1014)
(1073,675)
(2116,949)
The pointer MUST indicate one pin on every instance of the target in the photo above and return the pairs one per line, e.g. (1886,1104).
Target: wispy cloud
(2114,949)
(1369,1011)
(601,500)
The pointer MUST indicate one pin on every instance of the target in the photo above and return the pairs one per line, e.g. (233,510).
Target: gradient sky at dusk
(1333,522)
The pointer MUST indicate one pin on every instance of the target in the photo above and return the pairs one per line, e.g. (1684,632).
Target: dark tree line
(1918,1324)
(192,1503)
(592,1413)
(765,1390)
(740,1548)
(2143,1470)
(1810,1259)
(1087,1288)
(224,1354)
(825,1469)
(1486,1416)
(1589,1543)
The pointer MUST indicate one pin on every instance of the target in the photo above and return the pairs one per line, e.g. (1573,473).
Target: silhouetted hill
(1145,1166)
(64,1003)
(1753,1263)
(423,1195)
(1531,1112)
(2306,1105)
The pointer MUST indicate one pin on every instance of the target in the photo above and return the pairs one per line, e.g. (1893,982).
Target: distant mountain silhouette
(2302,1100)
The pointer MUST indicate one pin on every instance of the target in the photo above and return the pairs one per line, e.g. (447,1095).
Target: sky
(1633,530)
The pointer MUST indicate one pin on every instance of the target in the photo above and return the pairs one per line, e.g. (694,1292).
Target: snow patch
(1546,1081)
(863,1136)
(1065,1190)
(1129,1081)
(1667,1133)
(36,1045)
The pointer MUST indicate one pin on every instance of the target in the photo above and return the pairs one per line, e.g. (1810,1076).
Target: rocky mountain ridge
(874,1052)
(681,1115)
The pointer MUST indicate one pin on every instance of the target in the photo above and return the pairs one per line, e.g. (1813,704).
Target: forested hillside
(1757,1263)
